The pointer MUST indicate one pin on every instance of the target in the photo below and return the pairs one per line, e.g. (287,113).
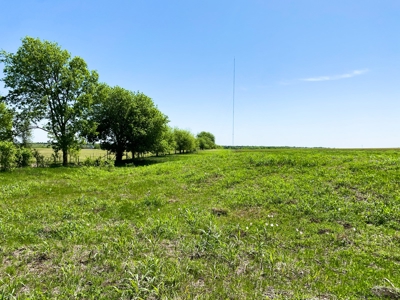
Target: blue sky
(308,72)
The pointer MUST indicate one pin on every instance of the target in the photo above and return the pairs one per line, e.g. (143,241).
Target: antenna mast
(233,105)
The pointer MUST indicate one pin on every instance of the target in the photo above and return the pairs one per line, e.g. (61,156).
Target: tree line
(48,89)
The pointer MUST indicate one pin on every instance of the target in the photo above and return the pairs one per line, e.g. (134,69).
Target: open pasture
(271,224)
(83,153)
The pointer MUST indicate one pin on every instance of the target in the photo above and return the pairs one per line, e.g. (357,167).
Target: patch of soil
(219,211)
(386,292)
(324,231)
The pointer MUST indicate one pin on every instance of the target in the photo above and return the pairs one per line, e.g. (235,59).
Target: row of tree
(52,91)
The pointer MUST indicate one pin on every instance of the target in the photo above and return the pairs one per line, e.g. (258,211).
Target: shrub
(40,161)
(55,157)
(98,162)
(7,156)
(23,157)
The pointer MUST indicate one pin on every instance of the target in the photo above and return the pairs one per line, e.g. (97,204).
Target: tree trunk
(118,156)
(65,157)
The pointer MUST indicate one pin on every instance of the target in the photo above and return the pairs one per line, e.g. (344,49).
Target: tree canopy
(206,140)
(46,83)
(167,142)
(127,121)
(148,127)
(185,140)
(6,118)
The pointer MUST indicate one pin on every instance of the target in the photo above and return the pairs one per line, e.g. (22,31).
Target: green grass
(271,224)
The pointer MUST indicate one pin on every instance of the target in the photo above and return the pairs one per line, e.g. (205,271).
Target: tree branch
(38,127)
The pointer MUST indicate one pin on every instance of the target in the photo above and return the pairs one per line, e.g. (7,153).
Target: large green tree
(185,140)
(113,114)
(167,142)
(46,84)
(206,140)
(127,121)
(148,127)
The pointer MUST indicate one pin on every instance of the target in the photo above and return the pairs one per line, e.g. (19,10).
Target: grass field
(83,153)
(271,224)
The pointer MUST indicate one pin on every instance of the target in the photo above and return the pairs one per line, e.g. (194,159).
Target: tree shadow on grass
(140,162)
(150,160)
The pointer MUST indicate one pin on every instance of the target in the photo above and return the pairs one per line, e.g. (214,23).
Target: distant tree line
(48,89)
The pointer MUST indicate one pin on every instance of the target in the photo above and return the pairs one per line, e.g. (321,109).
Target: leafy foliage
(167,142)
(148,126)
(184,140)
(22,132)
(6,118)
(46,83)
(206,140)
(127,121)
(40,159)
(7,156)
(23,157)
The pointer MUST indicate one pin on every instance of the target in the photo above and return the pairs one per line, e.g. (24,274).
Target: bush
(98,162)
(56,157)
(23,157)
(7,156)
(40,161)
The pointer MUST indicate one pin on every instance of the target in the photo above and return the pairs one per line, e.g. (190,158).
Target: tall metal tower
(233,105)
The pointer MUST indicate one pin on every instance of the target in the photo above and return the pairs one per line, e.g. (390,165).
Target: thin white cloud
(337,77)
